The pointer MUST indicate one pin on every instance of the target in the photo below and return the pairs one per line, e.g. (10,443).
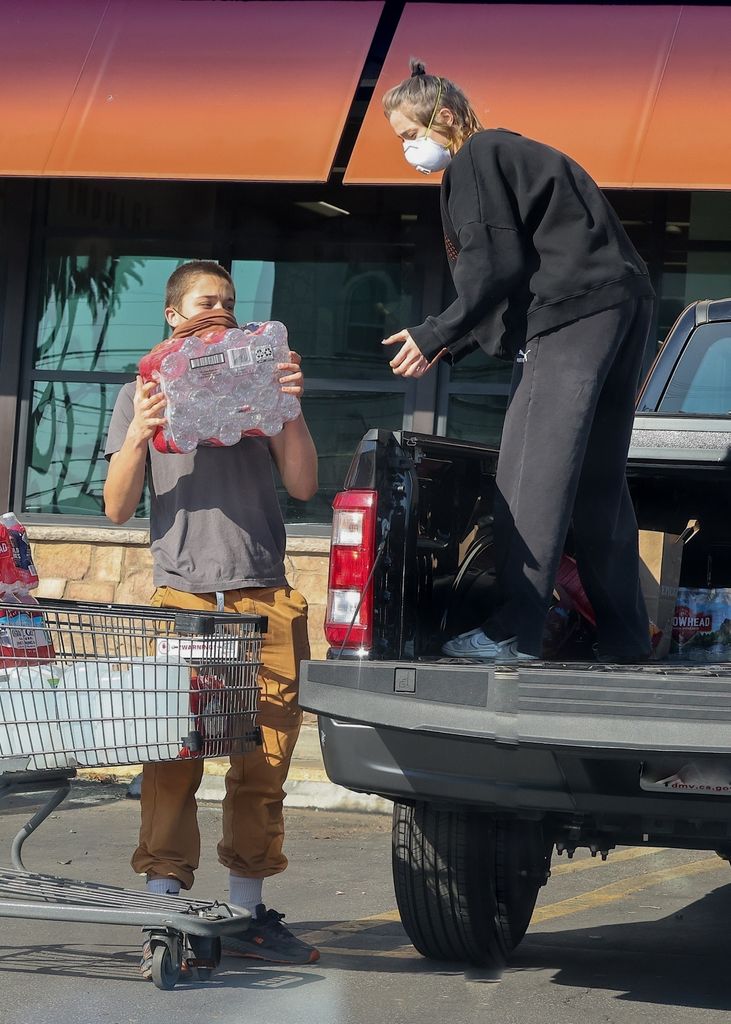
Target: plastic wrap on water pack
(17,572)
(90,713)
(24,639)
(221,386)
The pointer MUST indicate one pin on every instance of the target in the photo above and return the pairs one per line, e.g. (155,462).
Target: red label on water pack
(687,622)
(8,572)
(16,537)
(24,639)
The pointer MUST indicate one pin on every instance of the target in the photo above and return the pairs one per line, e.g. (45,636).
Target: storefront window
(337,314)
(100,308)
(342,267)
(337,421)
(100,311)
(66,467)
(477,398)
(477,418)
(696,260)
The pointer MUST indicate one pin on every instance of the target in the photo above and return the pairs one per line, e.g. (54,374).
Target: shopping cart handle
(192,623)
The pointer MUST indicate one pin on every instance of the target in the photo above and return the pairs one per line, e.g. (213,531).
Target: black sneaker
(266,938)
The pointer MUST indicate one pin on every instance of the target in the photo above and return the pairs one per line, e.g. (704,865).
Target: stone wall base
(110,565)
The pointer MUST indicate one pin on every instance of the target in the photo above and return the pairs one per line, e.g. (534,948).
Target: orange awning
(185,89)
(640,95)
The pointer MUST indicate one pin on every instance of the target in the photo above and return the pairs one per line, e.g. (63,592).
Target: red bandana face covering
(202,323)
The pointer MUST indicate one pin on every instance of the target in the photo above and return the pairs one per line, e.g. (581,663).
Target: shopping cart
(85,685)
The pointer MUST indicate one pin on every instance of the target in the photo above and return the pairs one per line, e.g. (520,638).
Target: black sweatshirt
(532,243)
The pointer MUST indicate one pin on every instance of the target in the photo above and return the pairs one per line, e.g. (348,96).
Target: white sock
(245,892)
(163,886)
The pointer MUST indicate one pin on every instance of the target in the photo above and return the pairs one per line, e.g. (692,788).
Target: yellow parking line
(336,931)
(614,858)
(405,952)
(387,917)
(624,887)
(603,896)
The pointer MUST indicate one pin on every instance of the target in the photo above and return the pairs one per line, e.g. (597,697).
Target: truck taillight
(349,617)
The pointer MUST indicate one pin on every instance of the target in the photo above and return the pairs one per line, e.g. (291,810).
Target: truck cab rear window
(701,382)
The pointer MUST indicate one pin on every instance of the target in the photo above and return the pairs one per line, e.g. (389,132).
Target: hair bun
(417,68)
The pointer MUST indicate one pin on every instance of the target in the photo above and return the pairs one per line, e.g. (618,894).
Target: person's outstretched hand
(409,360)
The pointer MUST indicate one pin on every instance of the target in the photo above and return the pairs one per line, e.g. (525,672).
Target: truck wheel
(466,884)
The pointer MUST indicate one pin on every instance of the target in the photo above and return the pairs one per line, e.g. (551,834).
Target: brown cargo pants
(253,824)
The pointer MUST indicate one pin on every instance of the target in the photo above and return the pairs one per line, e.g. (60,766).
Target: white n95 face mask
(426,155)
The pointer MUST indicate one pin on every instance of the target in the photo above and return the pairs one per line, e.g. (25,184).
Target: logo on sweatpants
(522,356)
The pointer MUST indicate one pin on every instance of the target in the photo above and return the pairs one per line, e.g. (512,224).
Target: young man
(218,542)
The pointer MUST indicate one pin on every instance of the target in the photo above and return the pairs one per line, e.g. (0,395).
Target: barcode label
(239,358)
(203,361)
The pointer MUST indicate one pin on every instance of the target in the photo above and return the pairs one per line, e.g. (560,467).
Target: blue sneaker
(479,647)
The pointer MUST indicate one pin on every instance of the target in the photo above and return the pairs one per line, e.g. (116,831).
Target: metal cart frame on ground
(84,684)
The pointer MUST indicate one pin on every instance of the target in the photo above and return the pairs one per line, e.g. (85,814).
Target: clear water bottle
(173,366)
(193,347)
(229,433)
(185,441)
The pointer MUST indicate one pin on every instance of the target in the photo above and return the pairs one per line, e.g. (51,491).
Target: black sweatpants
(562,461)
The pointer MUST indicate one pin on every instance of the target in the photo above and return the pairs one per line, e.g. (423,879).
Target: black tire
(466,884)
(165,972)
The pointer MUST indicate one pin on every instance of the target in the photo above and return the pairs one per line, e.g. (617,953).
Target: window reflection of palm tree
(96,280)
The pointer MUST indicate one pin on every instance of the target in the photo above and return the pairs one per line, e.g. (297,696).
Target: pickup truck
(492,769)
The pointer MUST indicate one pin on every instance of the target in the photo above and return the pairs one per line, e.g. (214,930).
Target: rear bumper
(565,741)
(648,708)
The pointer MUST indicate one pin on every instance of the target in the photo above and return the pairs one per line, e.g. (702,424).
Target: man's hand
(292,381)
(293,449)
(409,361)
(126,473)
(149,409)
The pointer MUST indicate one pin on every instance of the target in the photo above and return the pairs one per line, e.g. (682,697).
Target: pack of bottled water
(221,387)
(24,639)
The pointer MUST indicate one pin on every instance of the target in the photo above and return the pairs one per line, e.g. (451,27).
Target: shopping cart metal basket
(84,685)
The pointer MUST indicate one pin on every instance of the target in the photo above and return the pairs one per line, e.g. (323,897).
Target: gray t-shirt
(215,522)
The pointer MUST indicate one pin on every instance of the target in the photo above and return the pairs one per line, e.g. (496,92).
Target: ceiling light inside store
(324,209)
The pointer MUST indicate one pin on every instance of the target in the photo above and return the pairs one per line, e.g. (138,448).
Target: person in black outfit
(545,276)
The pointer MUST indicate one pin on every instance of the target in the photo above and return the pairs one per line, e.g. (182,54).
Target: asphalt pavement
(640,938)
